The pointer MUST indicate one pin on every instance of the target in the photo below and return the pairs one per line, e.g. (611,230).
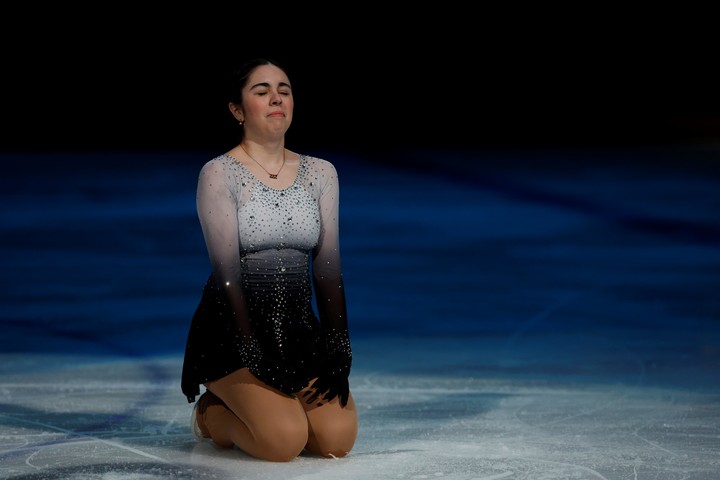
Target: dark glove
(333,379)
(272,373)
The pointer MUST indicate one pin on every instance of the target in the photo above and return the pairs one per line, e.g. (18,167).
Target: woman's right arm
(217,210)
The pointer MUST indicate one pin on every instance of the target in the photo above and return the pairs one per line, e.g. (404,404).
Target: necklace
(272,175)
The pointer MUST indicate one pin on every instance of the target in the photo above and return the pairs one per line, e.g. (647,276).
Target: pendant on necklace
(272,175)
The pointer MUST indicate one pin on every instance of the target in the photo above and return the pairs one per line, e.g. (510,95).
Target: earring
(241,123)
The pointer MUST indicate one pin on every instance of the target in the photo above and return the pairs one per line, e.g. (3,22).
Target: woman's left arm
(330,294)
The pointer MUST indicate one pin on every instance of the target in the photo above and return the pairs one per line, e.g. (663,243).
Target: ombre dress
(268,248)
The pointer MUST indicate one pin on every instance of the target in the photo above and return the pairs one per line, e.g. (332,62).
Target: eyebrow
(267,85)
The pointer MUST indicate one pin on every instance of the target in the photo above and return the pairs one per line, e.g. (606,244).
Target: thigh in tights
(272,426)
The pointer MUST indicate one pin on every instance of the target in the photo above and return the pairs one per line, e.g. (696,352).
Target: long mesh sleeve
(217,210)
(327,268)
(330,298)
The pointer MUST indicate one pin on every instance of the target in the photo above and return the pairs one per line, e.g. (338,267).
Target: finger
(312,399)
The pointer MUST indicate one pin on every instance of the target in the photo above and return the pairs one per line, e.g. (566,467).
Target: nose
(276,99)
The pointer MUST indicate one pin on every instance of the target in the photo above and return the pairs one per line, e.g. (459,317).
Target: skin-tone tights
(269,425)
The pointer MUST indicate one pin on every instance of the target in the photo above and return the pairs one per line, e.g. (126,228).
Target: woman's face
(267,107)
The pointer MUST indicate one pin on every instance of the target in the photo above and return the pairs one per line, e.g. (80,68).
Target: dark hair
(239,77)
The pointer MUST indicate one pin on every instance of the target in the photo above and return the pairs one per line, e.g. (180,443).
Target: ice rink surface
(514,315)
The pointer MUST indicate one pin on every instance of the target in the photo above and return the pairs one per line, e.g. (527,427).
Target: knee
(334,439)
(283,441)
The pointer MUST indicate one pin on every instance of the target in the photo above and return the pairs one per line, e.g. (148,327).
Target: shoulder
(320,166)
(218,167)
(321,174)
(218,163)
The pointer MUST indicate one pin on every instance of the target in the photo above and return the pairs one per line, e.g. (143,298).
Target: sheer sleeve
(330,298)
(217,207)
(327,269)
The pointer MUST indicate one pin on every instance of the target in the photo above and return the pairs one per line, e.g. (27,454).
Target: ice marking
(497,476)
(653,444)
(84,435)
(586,469)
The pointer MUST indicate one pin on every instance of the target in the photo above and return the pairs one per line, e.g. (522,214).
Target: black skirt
(283,321)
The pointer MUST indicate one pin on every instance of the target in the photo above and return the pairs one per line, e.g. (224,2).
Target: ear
(236,111)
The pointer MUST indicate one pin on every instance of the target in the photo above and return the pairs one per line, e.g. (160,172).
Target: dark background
(123,78)
(127,79)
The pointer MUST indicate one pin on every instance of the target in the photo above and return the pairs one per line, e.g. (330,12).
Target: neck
(266,164)
(265,147)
